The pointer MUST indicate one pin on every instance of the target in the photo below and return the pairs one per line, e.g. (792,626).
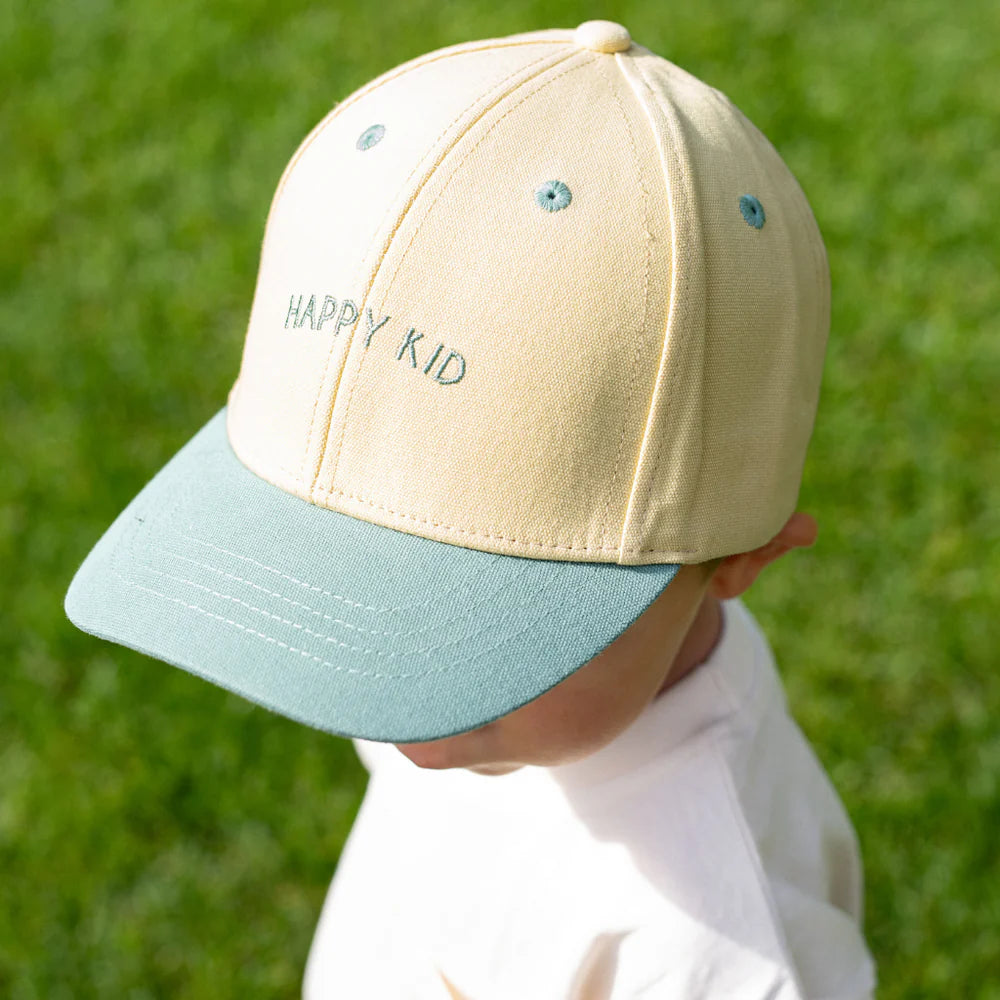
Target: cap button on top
(602,36)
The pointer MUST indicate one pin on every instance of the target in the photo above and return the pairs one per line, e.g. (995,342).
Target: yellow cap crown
(546,295)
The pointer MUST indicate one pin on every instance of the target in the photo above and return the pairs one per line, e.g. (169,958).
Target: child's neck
(702,637)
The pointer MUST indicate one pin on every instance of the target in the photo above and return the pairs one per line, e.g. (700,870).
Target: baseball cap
(538,320)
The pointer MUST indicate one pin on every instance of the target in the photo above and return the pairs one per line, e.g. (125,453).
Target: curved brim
(353,628)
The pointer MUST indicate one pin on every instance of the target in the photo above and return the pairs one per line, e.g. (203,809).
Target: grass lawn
(162,838)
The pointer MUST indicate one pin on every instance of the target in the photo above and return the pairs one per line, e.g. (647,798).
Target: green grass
(162,838)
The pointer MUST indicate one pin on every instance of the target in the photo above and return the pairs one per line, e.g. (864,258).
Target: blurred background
(160,837)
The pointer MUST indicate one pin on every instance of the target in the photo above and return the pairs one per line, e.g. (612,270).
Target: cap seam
(365,300)
(388,77)
(128,543)
(669,330)
(384,295)
(126,546)
(669,555)
(643,332)
(433,146)
(315,588)
(346,352)
(165,520)
(316,612)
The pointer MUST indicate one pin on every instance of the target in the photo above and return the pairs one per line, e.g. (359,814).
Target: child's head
(538,330)
(587,710)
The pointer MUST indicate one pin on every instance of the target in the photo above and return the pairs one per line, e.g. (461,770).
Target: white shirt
(701,854)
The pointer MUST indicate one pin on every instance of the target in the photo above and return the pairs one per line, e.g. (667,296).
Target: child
(531,369)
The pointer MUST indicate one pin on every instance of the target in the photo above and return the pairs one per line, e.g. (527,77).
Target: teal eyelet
(553,195)
(370,136)
(752,210)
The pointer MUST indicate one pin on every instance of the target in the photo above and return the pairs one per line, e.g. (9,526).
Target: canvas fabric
(639,372)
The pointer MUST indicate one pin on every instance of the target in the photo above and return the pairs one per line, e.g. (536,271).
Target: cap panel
(336,205)
(739,385)
(557,317)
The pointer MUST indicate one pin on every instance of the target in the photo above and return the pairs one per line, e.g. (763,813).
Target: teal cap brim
(353,628)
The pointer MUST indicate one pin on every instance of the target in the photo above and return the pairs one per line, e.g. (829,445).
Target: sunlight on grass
(159,837)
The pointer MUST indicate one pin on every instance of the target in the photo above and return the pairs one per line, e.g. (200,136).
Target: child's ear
(736,572)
